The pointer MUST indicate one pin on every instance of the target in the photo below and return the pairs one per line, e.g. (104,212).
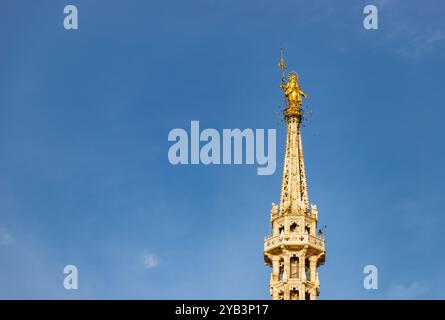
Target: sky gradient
(84,119)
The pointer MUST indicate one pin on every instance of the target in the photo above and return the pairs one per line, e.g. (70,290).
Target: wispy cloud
(410,33)
(150,260)
(6,237)
(413,291)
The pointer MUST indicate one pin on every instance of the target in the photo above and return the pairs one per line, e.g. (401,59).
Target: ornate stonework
(294,250)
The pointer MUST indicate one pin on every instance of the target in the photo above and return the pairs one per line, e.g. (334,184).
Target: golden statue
(292,90)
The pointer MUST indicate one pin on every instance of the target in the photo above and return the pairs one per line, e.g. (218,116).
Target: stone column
(286,275)
(286,267)
(313,268)
(286,292)
(275,268)
(313,294)
(275,276)
(302,265)
(272,291)
(302,293)
(275,294)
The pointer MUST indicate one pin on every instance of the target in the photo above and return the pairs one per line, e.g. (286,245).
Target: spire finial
(293,94)
(282,66)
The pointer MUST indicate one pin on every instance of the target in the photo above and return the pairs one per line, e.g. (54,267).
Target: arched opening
(294,294)
(280,277)
(294,266)
(307,269)
(293,227)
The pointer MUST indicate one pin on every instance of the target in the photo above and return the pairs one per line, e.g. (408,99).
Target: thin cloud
(409,33)
(150,260)
(403,292)
(6,237)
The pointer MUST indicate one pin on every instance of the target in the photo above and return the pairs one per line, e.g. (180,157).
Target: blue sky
(84,120)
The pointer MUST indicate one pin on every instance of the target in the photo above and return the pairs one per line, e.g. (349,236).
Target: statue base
(293,112)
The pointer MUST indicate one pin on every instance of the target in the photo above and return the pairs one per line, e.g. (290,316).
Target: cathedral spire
(294,250)
(294,194)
